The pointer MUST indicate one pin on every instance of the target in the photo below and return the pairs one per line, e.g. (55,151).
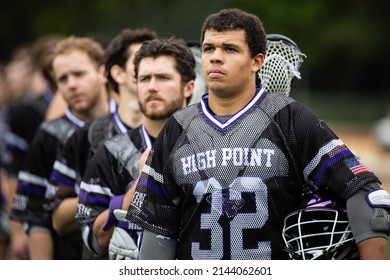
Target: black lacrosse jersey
(23,118)
(111,172)
(71,163)
(222,186)
(33,200)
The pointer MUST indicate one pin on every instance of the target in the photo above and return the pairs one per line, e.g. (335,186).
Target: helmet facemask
(321,230)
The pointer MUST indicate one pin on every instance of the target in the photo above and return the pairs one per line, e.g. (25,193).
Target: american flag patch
(356,166)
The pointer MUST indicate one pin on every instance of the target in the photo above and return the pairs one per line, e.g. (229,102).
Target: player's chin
(79,106)
(216,83)
(157,114)
(218,88)
(154,106)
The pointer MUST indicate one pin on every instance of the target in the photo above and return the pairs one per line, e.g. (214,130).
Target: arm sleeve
(359,215)
(157,247)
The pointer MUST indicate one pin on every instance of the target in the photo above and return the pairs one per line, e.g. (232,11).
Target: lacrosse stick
(281,65)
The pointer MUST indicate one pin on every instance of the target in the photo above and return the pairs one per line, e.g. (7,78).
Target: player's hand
(19,242)
(122,246)
(123,243)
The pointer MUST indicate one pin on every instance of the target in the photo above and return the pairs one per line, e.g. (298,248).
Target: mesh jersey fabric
(111,171)
(222,189)
(70,165)
(32,204)
(72,162)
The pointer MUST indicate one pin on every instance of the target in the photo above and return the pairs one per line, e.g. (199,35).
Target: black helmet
(319,230)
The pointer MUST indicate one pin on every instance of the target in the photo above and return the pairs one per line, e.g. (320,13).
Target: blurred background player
(5,99)
(31,88)
(79,74)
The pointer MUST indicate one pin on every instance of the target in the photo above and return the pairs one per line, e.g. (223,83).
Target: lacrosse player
(164,71)
(71,163)
(223,174)
(79,73)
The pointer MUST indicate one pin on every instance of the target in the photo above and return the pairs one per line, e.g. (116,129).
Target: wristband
(115,203)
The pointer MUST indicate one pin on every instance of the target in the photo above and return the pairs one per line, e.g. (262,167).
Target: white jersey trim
(316,160)
(74,119)
(235,116)
(65,170)
(32,179)
(151,172)
(93,188)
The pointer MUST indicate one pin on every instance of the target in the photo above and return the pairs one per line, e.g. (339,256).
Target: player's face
(226,63)
(160,88)
(79,80)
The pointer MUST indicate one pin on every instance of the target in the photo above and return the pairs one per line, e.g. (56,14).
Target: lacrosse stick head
(282,62)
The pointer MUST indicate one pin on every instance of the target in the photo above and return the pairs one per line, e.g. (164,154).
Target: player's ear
(258,61)
(189,88)
(117,74)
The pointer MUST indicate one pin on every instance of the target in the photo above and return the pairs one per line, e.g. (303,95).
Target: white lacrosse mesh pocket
(318,233)
(281,66)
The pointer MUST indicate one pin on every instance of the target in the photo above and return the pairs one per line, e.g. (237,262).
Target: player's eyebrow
(224,45)
(230,45)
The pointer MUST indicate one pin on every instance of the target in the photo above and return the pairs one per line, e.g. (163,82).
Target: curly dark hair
(236,19)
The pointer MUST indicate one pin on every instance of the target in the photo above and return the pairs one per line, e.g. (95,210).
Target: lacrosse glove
(125,239)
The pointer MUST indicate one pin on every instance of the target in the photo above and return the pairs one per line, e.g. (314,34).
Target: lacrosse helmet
(281,65)
(320,230)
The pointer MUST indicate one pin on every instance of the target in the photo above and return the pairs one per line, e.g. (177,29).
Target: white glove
(122,244)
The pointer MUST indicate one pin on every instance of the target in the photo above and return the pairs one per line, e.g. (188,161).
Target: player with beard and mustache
(164,72)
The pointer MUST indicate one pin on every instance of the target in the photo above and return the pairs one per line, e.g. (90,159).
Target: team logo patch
(138,199)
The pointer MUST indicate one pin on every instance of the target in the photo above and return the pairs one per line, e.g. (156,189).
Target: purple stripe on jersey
(15,149)
(121,126)
(94,200)
(328,163)
(57,178)
(33,190)
(153,187)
